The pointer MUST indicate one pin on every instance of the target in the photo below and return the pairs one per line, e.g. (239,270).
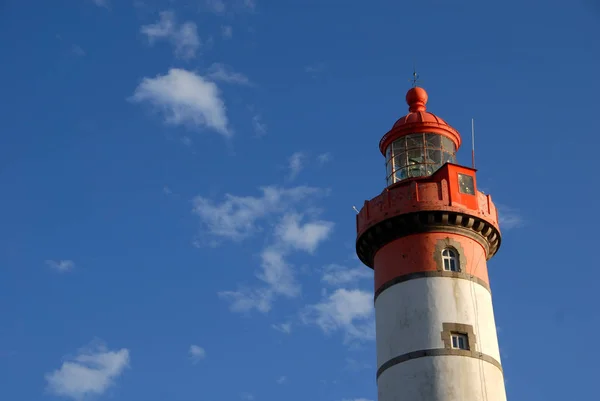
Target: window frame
(450,329)
(469,185)
(450,259)
(460,338)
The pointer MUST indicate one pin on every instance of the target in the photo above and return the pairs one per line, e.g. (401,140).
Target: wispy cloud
(283,327)
(349,311)
(339,275)
(295,165)
(247,396)
(224,7)
(314,69)
(324,158)
(356,366)
(91,372)
(227,31)
(224,73)
(197,353)
(292,232)
(101,3)
(77,50)
(249,4)
(281,380)
(183,37)
(246,299)
(61,266)
(277,273)
(216,6)
(260,128)
(237,218)
(185,98)
(509,218)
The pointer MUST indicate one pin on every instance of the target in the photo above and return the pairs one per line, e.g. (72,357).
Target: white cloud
(221,72)
(339,275)
(349,311)
(185,98)
(183,37)
(91,372)
(279,279)
(355,366)
(61,265)
(260,128)
(281,380)
(101,3)
(236,217)
(247,396)
(305,237)
(77,50)
(314,69)
(509,218)
(216,6)
(197,353)
(250,4)
(186,141)
(227,31)
(295,164)
(277,273)
(323,158)
(223,7)
(245,299)
(283,327)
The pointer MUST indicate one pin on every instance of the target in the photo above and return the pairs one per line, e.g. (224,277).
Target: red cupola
(419,143)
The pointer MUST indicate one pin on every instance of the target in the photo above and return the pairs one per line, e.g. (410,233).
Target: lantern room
(419,143)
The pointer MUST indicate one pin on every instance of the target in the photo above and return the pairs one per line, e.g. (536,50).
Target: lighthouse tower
(428,236)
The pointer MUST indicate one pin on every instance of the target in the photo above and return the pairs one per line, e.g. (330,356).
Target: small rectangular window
(466,185)
(460,341)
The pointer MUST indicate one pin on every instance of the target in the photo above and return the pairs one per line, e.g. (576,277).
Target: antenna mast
(473,143)
(415,78)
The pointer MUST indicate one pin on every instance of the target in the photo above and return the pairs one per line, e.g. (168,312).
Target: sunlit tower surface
(428,236)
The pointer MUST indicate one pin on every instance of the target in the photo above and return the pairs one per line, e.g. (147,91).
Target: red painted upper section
(415,253)
(417,120)
(439,191)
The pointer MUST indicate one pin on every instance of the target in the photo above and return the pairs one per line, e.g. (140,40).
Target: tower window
(466,185)
(459,336)
(460,341)
(450,260)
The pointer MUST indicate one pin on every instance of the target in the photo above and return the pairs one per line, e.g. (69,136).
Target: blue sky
(178,180)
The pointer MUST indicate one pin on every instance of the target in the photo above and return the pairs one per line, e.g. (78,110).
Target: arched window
(450,260)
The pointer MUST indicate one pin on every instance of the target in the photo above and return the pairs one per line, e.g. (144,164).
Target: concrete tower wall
(444,378)
(418,305)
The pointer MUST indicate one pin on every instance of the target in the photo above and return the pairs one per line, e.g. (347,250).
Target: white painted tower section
(409,318)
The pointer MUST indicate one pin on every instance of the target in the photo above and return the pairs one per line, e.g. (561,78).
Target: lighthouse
(428,237)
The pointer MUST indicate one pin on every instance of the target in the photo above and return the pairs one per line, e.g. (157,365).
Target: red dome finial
(417,99)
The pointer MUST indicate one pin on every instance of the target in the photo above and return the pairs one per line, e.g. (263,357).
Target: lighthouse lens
(418,155)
